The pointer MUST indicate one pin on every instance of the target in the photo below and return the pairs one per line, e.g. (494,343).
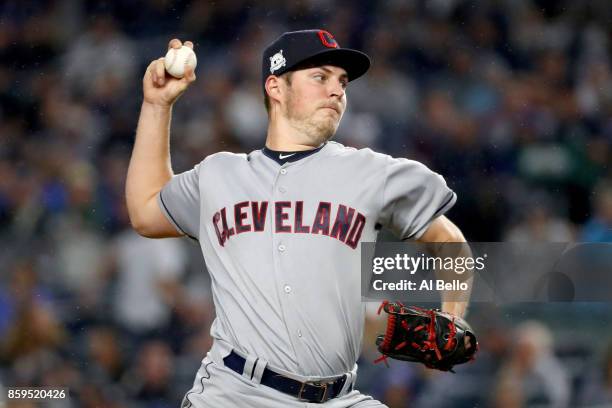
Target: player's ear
(273,87)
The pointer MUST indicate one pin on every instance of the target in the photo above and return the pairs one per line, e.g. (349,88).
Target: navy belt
(315,392)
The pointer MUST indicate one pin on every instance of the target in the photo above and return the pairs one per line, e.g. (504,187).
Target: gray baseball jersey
(281,243)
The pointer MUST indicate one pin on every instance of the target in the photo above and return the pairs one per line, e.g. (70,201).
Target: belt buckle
(324,386)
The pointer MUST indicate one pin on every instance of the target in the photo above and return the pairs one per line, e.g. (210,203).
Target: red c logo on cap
(327,39)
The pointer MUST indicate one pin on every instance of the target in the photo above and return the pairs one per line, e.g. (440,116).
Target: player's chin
(329,118)
(328,130)
(327,122)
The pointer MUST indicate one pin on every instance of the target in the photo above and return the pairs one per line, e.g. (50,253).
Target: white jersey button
(283,171)
(299,333)
(287,289)
(281,247)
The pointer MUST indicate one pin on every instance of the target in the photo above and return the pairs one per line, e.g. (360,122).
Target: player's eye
(319,77)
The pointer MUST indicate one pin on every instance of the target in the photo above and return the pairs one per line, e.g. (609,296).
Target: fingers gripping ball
(178,59)
(436,339)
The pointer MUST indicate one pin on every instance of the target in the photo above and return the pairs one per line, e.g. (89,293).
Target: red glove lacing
(429,344)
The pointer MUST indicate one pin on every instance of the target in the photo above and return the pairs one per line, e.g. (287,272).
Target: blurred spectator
(539,225)
(599,227)
(465,389)
(402,384)
(532,374)
(35,329)
(80,258)
(151,379)
(93,395)
(598,385)
(148,281)
(594,90)
(436,389)
(246,116)
(23,290)
(34,341)
(101,62)
(373,95)
(105,353)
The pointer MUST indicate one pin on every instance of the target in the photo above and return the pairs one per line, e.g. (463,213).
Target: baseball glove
(437,339)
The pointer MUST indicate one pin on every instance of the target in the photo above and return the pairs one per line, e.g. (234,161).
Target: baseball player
(280,228)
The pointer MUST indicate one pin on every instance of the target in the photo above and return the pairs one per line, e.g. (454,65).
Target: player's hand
(159,87)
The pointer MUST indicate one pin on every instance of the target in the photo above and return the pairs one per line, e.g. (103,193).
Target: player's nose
(336,88)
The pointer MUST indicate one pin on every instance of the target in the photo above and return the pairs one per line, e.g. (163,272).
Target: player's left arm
(441,231)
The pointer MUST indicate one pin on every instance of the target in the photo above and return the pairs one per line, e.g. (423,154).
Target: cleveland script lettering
(250,216)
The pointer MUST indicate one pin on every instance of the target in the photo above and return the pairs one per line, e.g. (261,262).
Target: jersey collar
(286,157)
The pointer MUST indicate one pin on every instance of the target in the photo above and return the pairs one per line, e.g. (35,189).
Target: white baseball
(177,60)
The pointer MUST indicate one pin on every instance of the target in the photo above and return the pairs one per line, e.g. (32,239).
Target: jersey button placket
(282,189)
(281,255)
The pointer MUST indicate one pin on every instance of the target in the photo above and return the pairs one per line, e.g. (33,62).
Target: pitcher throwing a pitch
(280,228)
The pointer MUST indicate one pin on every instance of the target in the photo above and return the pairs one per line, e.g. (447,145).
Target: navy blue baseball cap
(294,49)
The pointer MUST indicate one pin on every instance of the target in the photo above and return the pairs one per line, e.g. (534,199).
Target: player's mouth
(334,108)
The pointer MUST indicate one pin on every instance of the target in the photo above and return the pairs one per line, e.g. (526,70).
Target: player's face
(316,100)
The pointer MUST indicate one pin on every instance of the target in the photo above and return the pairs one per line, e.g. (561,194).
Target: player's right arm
(150,167)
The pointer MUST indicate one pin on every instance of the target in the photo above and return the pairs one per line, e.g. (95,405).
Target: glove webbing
(429,344)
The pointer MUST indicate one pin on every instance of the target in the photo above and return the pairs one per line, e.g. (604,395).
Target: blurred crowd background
(511,100)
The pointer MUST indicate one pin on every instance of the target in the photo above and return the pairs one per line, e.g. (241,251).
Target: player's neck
(284,137)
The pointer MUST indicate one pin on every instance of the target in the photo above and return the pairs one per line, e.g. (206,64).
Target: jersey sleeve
(413,196)
(179,200)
